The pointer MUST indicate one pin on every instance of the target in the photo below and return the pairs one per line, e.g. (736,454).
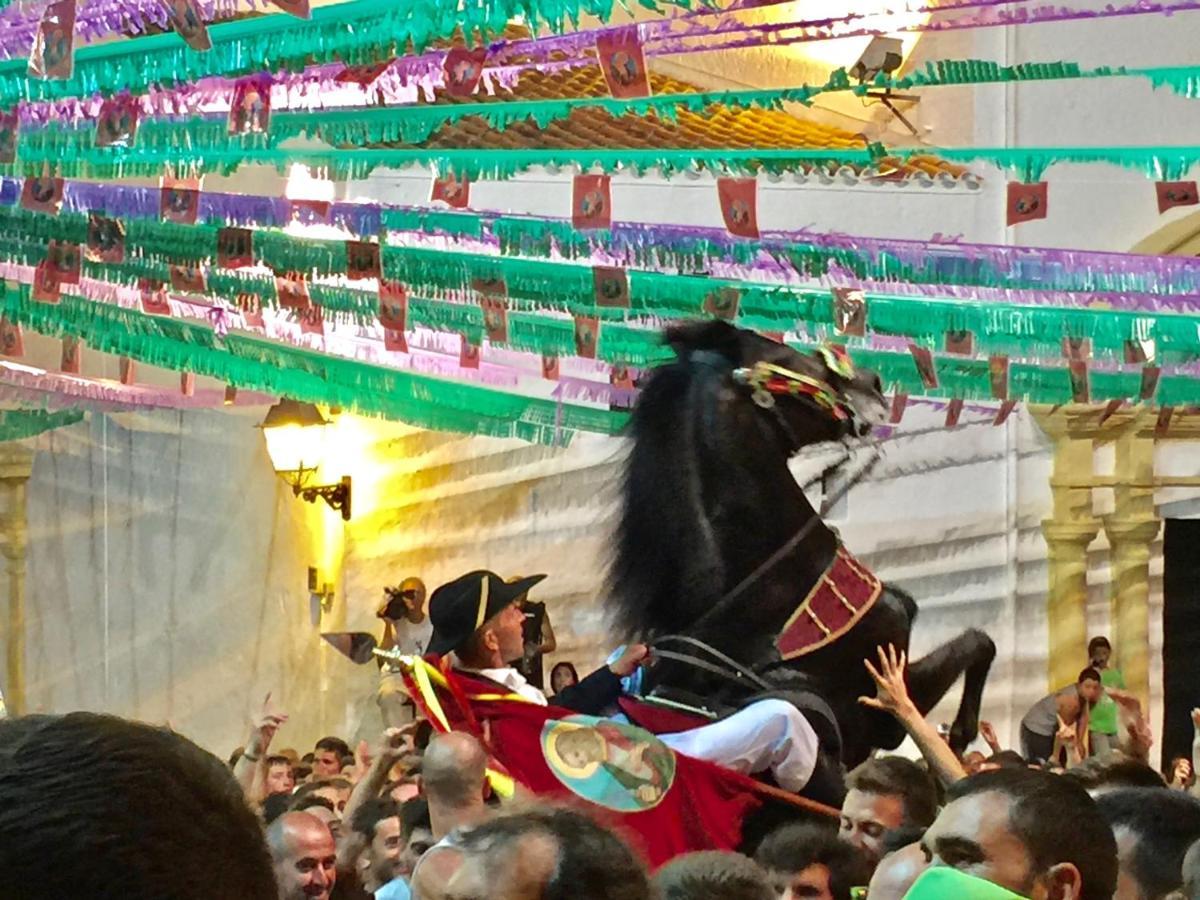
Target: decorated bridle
(768,381)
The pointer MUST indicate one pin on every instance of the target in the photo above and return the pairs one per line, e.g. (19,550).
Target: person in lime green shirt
(1103,720)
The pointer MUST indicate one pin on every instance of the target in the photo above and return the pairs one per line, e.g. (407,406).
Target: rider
(476,617)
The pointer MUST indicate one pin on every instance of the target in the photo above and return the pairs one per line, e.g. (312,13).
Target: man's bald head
(453,769)
(304,855)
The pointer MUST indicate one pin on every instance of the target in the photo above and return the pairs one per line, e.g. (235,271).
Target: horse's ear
(712,336)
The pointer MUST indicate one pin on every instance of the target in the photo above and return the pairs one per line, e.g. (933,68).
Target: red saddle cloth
(844,594)
(663,802)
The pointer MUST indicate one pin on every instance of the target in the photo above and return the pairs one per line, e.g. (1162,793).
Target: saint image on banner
(616,766)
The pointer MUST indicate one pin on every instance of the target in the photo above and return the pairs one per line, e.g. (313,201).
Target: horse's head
(806,398)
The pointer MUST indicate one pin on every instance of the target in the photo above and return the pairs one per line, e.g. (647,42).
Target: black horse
(708,501)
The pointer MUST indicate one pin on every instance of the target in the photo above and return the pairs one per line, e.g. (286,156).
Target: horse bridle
(767,381)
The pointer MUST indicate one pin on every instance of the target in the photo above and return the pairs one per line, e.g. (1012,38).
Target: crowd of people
(97,807)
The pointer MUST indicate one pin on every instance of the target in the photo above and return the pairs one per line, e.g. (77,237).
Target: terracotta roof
(724,129)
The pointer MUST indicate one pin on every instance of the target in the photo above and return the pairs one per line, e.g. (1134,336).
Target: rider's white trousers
(770,735)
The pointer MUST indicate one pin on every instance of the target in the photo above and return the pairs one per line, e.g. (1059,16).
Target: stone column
(1068,532)
(1131,531)
(16,463)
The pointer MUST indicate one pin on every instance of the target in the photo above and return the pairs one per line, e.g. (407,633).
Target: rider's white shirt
(515,682)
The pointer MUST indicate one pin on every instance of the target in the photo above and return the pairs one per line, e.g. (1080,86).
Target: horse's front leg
(930,677)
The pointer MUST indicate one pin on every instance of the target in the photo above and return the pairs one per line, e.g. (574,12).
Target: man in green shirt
(1103,720)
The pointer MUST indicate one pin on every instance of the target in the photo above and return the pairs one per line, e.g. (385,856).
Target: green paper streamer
(546,289)
(356,33)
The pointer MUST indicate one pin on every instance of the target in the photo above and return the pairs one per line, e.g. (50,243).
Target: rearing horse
(709,503)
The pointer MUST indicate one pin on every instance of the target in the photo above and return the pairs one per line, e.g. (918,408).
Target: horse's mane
(666,563)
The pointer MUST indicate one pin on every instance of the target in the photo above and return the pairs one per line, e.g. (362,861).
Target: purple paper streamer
(97,19)
(1174,273)
(64,391)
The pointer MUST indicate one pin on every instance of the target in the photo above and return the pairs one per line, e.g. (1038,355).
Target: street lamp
(295,434)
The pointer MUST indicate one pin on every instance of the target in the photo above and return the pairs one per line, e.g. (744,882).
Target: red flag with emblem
(10,126)
(53,55)
(611,287)
(587,336)
(179,200)
(12,342)
(42,193)
(550,368)
(1026,202)
(72,351)
(468,354)
(664,802)
(1176,193)
(739,205)
(899,402)
(623,63)
(591,201)
(463,69)
(185,18)
(452,190)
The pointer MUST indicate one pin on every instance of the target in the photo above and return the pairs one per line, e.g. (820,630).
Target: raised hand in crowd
(250,769)
(892,697)
(987,731)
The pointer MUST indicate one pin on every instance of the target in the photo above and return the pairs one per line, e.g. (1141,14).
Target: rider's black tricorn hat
(458,609)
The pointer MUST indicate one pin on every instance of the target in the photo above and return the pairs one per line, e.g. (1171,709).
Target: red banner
(187,383)
(53,55)
(393,305)
(587,336)
(250,110)
(188,279)
(12,342)
(850,312)
(455,192)
(292,291)
(925,365)
(105,239)
(1026,202)
(394,341)
(46,286)
(960,343)
(66,260)
(899,402)
(362,260)
(630,780)
(1176,193)
(954,412)
(998,376)
(495,319)
(739,205)
(463,69)
(154,302)
(235,248)
(723,303)
(468,354)
(184,17)
(10,126)
(116,126)
(623,63)
(550,368)
(128,370)
(297,8)
(591,201)
(72,353)
(1004,412)
(179,201)
(42,193)
(611,286)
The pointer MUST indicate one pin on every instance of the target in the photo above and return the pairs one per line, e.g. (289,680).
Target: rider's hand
(628,662)
(891,691)
(988,732)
